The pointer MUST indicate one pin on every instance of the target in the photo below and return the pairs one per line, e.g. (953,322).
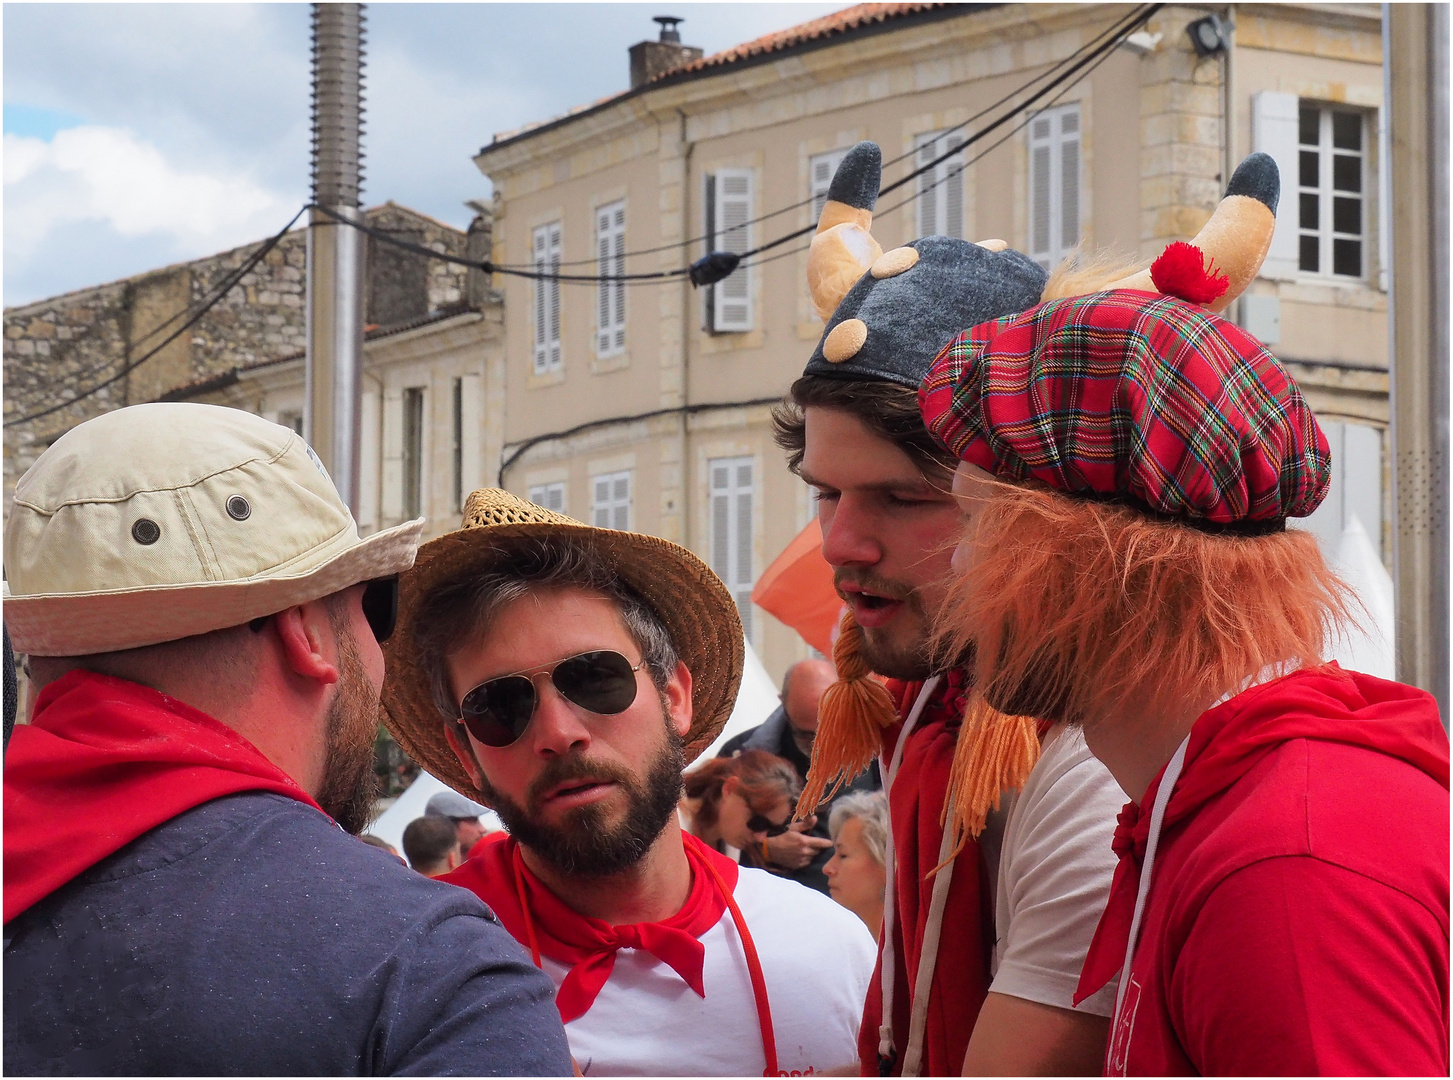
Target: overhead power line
(207,305)
(1118,29)
(719,264)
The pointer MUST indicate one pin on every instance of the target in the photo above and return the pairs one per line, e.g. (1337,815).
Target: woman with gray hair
(855,873)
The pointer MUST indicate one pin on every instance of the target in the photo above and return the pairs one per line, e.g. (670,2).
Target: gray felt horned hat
(890,313)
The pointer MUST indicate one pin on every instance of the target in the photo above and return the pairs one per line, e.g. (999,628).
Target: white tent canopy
(756,700)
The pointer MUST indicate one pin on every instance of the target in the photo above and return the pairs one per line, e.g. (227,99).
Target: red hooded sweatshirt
(1297,922)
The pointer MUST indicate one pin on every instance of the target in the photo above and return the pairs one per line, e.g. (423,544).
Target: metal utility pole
(1415,78)
(333,411)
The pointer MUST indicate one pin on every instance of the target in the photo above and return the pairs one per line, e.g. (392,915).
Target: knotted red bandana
(1226,742)
(541,921)
(104,761)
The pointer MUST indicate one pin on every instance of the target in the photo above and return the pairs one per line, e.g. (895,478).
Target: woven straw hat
(161,521)
(694,605)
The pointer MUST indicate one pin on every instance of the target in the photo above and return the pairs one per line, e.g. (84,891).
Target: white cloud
(112,180)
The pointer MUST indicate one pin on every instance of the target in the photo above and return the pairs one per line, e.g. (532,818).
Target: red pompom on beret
(1132,396)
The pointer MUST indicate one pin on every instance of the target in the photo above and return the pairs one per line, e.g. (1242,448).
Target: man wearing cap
(566,675)
(1129,463)
(978,961)
(463,814)
(203,623)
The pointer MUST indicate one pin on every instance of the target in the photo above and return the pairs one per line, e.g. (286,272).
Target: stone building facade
(648,407)
(58,348)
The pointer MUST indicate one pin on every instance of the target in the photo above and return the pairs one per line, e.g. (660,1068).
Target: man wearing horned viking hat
(980,959)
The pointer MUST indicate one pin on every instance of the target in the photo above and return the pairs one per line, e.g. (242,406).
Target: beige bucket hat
(157,522)
(695,606)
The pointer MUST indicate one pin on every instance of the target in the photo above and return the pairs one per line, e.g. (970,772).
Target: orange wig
(1078,610)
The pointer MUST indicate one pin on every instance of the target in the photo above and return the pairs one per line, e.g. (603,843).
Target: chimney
(652,58)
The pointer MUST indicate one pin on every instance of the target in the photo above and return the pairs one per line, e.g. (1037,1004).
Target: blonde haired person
(856,873)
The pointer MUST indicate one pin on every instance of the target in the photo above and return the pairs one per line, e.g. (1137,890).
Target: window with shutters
(413,463)
(1054,183)
(731,530)
(549,496)
(547,299)
(820,169)
(728,228)
(610,296)
(941,188)
(1331,190)
(610,501)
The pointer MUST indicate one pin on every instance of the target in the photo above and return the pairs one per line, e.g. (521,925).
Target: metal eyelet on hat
(145,531)
(238,508)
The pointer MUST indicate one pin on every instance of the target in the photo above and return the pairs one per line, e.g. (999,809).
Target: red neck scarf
(104,761)
(541,921)
(1227,741)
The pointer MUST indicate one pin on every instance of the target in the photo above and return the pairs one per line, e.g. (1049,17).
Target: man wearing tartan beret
(1129,461)
(980,959)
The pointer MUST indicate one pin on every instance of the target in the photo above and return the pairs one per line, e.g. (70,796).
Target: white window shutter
(542,346)
(732,296)
(1384,202)
(821,169)
(928,188)
(554,284)
(731,496)
(618,288)
(602,313)
(1274,132)
(610,307)
(1041,244)
(610,504)
(1069,176)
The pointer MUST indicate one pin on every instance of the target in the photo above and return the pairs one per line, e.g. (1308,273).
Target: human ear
(458,740)
(678,699)
(300,629)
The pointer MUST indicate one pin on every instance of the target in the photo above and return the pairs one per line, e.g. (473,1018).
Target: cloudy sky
(138,135)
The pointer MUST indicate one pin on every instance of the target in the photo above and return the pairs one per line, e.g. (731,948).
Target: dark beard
(350,786)
(584,845)
(910,665)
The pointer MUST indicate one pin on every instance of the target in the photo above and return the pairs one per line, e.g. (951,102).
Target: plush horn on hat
(843,248)
(1236,239)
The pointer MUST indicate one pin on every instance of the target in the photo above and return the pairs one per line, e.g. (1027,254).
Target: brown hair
(885,408)
(1076,609)
(764,777)
(428,841)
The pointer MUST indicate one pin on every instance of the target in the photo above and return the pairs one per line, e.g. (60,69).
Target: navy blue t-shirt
(252,936)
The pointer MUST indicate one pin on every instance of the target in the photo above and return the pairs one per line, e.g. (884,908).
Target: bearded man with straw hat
(565,675)
(182,895)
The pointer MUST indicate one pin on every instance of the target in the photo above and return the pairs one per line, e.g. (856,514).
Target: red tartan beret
(1137,397)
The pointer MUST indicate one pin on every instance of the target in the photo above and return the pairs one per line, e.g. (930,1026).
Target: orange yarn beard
(994,752)
(1080,610)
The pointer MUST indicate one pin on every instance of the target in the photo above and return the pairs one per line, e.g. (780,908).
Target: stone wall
(58,348)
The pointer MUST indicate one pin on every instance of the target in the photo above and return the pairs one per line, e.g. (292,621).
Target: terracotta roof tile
(846,21)
(839,22)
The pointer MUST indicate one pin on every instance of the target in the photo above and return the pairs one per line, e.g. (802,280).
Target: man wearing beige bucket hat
(202,622)
(565,675)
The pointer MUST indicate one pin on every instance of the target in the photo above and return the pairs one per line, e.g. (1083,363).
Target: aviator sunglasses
(380,608)
(497,711)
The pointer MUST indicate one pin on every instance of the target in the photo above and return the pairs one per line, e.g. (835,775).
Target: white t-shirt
(817,960)
(1055,867)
